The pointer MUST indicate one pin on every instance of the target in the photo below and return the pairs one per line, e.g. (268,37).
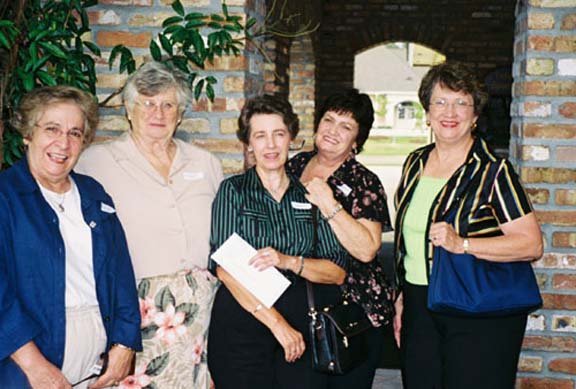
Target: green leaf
(155,51)
(211,80)
(217,18)
(198,89)
(225,10)
(178,8)
(172,29)
(157,364)
(115,51)
(164,298)
(28,81)
(195,16)
(93,48)
(166,45)
(250,22)
(172,20)
(214,25)
(143,288)
(53,49)
(210,92)
(232,27)
(195,23)
(181,63)
(4,42)
(45,78)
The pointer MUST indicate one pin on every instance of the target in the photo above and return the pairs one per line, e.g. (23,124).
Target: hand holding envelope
(234,256)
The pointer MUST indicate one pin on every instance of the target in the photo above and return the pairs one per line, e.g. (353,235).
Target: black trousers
(450,352)
(243,353)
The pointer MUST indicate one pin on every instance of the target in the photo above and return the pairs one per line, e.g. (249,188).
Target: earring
(474,125)
(250,149)
(428,123)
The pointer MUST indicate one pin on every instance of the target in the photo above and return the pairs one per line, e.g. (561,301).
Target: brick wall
(302,84)
(543,147)
(211,125)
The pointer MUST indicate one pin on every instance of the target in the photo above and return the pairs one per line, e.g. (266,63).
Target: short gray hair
(153,78)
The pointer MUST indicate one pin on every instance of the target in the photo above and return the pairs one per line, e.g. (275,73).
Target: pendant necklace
(60,204)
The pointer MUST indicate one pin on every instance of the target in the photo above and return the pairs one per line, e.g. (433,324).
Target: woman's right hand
(46,376)
(41,374)
(397,322)
(291,340)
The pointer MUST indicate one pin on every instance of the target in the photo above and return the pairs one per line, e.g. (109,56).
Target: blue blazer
(32,271)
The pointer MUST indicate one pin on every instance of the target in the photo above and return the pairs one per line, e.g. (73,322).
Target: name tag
(193,176)
(344,189)
(106,208)
(301,206)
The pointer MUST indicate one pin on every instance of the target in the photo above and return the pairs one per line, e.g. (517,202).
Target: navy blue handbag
(461,284)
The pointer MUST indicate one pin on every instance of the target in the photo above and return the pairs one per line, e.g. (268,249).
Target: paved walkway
(387,379)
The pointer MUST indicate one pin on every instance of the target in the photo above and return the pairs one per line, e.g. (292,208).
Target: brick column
(543,148)
(302,88)
(211,125)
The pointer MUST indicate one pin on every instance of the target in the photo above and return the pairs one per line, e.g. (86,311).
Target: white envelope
(267,285)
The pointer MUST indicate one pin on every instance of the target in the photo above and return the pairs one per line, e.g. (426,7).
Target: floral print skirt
(175,312)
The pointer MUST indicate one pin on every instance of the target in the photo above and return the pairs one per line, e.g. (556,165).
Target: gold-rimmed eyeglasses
(75,135)
(460,105)
(166,107)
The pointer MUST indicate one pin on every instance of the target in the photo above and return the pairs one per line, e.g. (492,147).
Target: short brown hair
(35,103)
(454,76)
(266,105)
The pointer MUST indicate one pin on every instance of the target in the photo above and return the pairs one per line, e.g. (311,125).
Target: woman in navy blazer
(65,271)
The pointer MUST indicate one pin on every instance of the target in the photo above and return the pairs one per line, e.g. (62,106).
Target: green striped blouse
(244,206)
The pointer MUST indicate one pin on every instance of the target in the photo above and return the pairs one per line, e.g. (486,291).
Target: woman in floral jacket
(352,200)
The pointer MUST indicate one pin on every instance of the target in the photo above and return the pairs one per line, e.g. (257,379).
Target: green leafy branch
(182,46)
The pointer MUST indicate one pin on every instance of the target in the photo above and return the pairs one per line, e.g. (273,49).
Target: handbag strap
(309,286)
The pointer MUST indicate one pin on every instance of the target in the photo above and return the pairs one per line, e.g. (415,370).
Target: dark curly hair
(456,77)
(350,101)
(266,104)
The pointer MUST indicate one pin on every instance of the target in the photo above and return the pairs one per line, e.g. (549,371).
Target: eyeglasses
(166,107)
(97,370)
(459,105)
(54,132)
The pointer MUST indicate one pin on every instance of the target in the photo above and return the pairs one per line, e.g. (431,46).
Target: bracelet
(466,245)
(299,272)
(334,212)
(119,345)
(258,308)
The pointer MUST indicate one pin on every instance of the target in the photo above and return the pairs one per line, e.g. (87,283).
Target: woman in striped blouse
(251,346)
(441,351)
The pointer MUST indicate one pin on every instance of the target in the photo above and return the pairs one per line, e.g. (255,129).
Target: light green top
(414,228)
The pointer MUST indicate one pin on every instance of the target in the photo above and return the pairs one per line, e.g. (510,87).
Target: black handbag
(337,335)
(337,332)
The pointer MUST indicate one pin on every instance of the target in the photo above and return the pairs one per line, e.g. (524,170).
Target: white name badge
(301,206)
(344,189)
(193,176)
(106,208)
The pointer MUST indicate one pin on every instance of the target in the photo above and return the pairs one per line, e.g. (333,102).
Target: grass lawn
(384,146)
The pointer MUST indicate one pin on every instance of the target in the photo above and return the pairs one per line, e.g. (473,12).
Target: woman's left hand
(268,257)
(119,364)
(442,234)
